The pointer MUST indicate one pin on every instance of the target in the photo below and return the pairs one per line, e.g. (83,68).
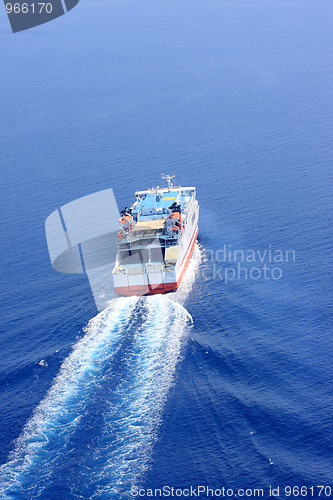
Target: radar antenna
(169,179)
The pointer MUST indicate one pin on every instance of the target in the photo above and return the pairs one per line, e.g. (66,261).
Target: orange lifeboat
(125,219)
(126,222)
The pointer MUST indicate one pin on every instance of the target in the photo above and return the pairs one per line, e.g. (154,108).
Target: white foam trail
(132,423)
(103,333)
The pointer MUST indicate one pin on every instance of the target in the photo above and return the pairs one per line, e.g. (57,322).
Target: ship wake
(93,433)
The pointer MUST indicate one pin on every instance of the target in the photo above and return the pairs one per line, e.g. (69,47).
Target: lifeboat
(125,219)
(126,222)
(175,215)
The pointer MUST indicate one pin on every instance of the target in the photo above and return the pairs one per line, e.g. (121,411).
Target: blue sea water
(227,382)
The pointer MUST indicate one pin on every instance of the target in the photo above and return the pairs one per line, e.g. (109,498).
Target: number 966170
(28,8)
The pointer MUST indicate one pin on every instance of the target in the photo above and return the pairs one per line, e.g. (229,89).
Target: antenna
(169,179)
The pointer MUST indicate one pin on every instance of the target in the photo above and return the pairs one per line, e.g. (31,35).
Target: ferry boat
(156,239)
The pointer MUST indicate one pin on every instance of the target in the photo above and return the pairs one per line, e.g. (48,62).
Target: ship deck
(158,201)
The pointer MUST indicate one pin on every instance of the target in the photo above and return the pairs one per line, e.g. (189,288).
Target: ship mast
(169,179)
